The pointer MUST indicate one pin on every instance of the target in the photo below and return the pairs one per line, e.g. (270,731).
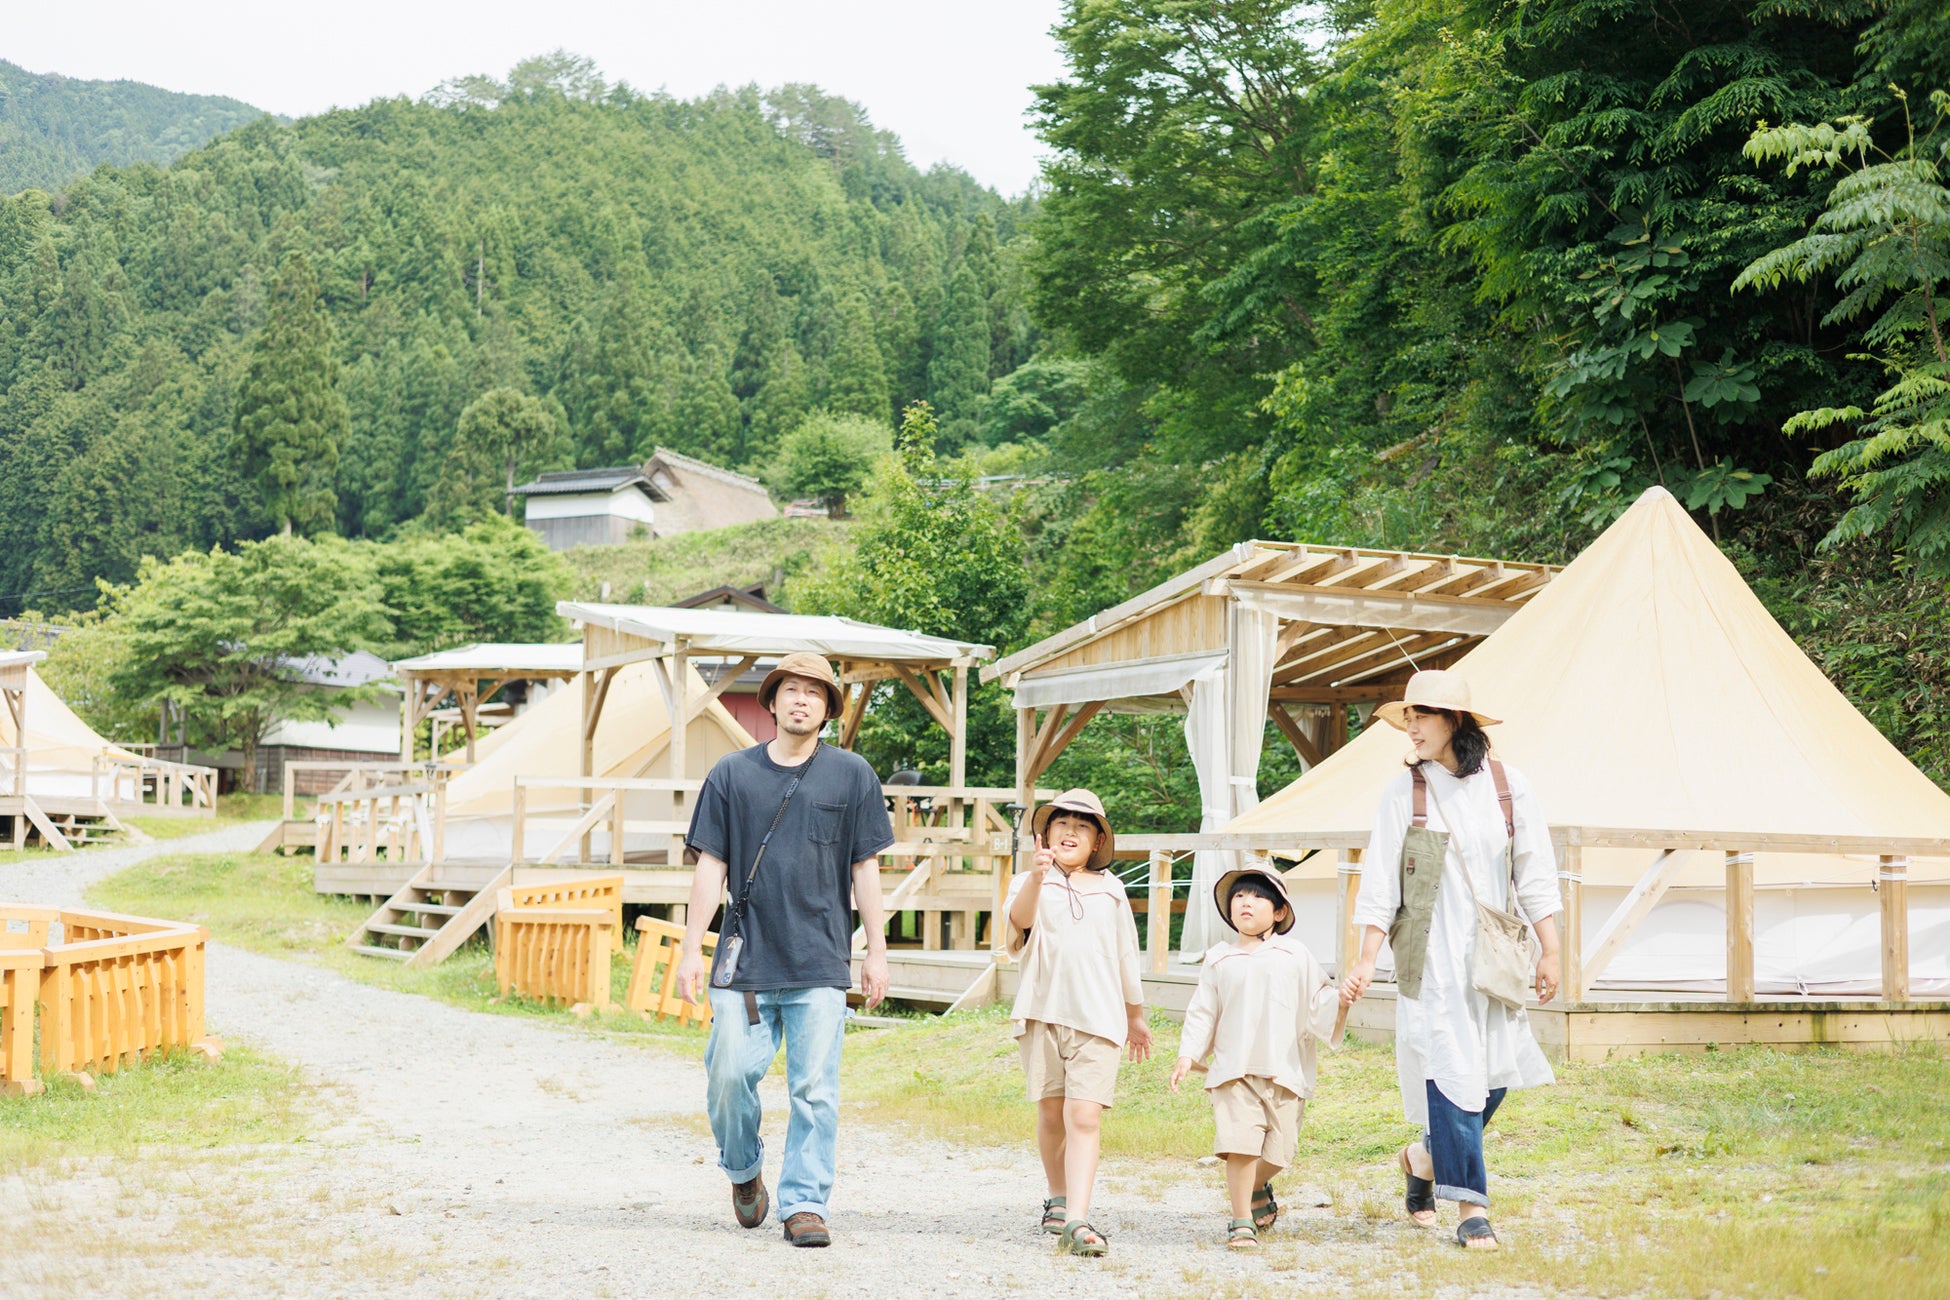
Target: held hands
(873,979)
(1359,976)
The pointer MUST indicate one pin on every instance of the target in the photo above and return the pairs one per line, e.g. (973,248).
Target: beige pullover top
(1260,1013)
(1080,958)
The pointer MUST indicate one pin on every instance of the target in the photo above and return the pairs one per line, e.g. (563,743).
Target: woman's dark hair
(1469,741)
(1256,885)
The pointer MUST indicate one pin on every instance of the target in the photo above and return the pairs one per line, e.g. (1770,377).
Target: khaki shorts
(1256,1117)
(1065,1062)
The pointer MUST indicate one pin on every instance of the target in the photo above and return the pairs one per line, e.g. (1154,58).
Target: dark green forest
(1463,277)
(54,128)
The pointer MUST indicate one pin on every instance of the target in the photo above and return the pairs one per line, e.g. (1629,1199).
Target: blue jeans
(1455,1144)
(812,1022)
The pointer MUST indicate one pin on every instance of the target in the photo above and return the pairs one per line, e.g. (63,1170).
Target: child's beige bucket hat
(1079,801)
(1222,895)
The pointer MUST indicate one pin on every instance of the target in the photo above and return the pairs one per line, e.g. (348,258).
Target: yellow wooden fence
(115,989)
(553,941)
(658,946)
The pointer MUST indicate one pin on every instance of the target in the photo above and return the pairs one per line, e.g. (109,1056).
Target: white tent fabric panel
(57,739)
(1165,675)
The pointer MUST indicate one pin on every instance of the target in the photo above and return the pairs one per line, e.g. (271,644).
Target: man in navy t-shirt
(816,811)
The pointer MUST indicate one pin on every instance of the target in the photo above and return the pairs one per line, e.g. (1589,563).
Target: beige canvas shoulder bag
(1506,951)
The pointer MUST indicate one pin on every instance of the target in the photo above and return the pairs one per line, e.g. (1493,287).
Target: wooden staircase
(434,913)
(66,824)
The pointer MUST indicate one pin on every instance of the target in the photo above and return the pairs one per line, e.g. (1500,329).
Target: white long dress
(1451,1033)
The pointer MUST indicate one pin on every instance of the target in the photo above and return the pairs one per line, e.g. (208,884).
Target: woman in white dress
(1458,1052)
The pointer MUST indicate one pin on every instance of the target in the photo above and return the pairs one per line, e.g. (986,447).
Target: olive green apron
(1423,853)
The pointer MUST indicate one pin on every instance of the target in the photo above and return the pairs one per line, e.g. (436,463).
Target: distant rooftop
(567,482)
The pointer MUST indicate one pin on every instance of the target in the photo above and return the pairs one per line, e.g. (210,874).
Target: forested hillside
(54,128)
(651,271)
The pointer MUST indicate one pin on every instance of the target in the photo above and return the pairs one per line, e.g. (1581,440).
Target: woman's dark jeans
(1454,1141)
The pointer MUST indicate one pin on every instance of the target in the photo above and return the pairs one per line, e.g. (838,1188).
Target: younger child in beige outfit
(1262,1003)
(1080,1003)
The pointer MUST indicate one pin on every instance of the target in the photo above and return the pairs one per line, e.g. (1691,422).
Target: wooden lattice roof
(1355,622)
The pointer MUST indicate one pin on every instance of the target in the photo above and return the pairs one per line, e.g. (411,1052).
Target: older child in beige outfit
(1081,1001)
(1262,1003)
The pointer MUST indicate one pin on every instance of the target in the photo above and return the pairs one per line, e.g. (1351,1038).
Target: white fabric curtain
(1224,728)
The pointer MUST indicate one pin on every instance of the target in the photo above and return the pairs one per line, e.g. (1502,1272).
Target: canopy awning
(1136,679)
(750,632)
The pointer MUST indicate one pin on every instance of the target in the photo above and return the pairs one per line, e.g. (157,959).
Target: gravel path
(469,1154)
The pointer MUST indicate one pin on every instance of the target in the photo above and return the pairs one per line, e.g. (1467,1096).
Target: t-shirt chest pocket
(828,822)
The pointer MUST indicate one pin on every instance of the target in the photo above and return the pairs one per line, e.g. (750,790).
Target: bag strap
(1419,796)
(744,896)
(1516,904)
(1504,799)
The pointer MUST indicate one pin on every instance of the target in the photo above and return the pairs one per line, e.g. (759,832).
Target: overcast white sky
(950,77)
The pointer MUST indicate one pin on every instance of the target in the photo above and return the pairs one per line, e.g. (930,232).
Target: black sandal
(1475,1229)
(1420,1198)
(1266,1210)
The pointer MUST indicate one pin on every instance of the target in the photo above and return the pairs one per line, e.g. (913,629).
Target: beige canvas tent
(1665,720)
(546,741)
(61,748)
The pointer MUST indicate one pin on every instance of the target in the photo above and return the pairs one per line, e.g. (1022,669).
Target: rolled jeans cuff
(804,1207)
(746,1175)
(1467,1196)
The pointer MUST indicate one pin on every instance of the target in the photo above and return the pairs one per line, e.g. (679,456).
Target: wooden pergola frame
(1353,625)
(472,675)
(864,655)
(13,689)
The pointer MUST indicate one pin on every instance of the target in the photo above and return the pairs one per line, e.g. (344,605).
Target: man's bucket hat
(812,667)
(1433,688)
(1079,801)
(1222,895)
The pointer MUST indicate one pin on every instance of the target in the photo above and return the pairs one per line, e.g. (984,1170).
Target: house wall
(624,503)
(583,530)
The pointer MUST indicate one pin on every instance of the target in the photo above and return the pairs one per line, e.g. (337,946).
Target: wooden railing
(550,949)
(115,989)
(659,946)
(157,784)
(377,823)
(13,771)
(602,805)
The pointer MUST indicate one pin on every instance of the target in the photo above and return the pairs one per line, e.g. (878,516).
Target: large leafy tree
(502,434)
(828,458)
(217,634)
(291,417)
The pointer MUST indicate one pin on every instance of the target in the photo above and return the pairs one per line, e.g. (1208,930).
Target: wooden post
(1157,921)
(1025,786)
(958,744)
(616,829)
(680,687)
(1570,937)
(1347,938)
(290,792)
(519,849)
(1892,884)
(1740,927)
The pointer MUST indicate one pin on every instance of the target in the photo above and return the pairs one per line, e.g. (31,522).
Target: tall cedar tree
(291,417)
(958,374)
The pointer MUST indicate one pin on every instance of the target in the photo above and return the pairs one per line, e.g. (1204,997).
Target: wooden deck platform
(1607,1025)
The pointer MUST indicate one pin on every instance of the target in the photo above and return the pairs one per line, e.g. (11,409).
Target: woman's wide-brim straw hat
(1433,688)
(812,667)
(1079,801)
(1222,895)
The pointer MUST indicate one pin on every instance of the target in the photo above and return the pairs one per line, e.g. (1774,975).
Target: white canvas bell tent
(61,748)
(546,740)
(1648,691)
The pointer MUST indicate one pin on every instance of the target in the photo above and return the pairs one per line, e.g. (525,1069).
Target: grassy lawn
(176,1102)
(264,902)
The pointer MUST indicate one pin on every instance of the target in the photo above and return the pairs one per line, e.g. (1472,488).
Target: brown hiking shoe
(749,1202)
(807,1229)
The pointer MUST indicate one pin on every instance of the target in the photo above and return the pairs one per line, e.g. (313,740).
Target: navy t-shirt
(798,922)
